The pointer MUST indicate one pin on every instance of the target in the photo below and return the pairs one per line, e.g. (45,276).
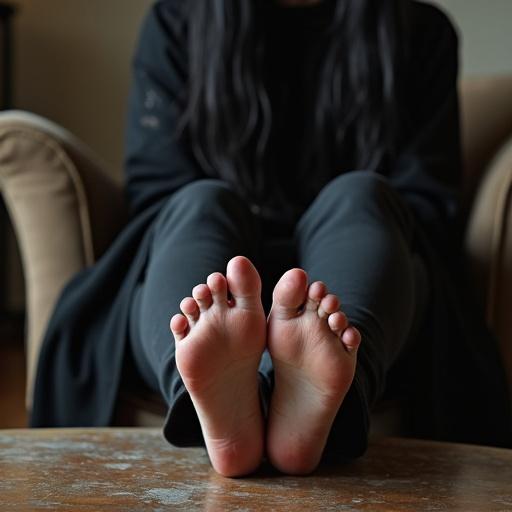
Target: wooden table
(135,469)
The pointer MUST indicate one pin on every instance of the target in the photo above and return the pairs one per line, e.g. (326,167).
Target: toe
(202,296)
(316,292)
(190,309)
(290,293)
(338,323)
(179,326)
(244,283)
(329,304)
(351,339)
(218,288)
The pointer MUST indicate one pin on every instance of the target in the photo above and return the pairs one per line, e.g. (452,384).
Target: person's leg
(357,238)
(218,342)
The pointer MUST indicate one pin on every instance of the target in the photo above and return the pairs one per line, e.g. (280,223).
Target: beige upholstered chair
(66,210)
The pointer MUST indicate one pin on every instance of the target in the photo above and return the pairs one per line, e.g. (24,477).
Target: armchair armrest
(489,248)
(64,208)
(486,123)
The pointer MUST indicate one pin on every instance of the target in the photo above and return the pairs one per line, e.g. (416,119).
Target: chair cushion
(48,206)
(65,208)
(486,123)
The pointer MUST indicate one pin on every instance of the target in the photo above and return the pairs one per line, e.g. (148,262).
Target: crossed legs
(221,331)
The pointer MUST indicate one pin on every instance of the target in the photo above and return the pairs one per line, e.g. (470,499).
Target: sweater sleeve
(157,162)
(427,171)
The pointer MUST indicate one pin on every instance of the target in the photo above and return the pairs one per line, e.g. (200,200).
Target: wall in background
(486,34)
(72,63)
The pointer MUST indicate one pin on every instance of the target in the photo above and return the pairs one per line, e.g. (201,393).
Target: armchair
(66,209)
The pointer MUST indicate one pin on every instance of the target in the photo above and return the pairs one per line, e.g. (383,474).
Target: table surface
(135,469)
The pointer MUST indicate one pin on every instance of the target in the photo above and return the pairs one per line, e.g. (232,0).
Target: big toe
(244,282)
(290,293)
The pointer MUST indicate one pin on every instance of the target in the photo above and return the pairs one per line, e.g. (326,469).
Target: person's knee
(202,201)
(204,197)
(358,191)
(357,186)
(355,195)
(206,192)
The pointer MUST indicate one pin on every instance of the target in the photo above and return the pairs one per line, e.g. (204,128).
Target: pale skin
(219,343)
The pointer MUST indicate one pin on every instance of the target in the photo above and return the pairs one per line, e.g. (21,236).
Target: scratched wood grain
(135,469)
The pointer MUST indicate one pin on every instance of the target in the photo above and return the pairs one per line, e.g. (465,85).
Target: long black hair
(227,108)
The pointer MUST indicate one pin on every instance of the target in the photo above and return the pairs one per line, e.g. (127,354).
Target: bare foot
(218,350)
(314,351)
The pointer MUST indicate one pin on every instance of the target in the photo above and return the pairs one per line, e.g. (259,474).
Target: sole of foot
(314,353)
(219,343)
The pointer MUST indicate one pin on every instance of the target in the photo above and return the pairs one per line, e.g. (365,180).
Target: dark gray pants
(357,236)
